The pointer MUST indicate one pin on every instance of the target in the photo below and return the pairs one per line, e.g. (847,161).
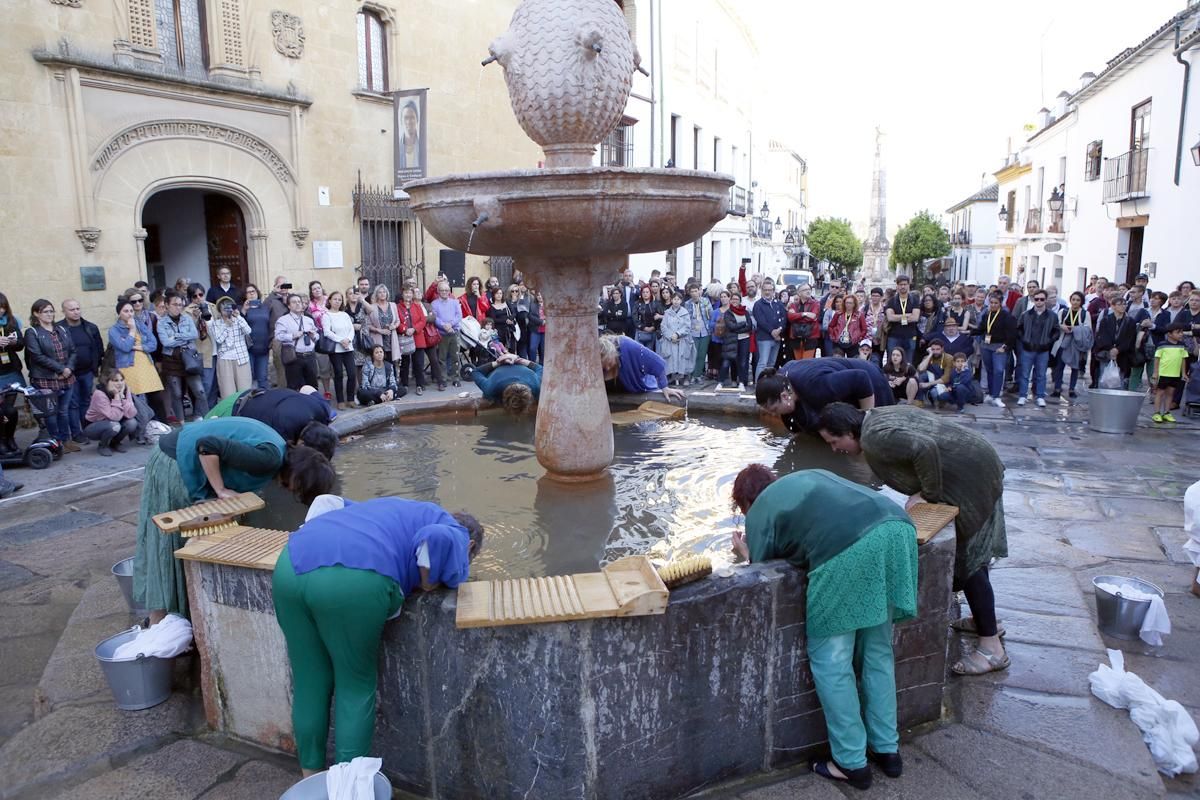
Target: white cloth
(169,638)
(1156,623)
(1166,727)
(323,504)
(354,780)
(1191,523)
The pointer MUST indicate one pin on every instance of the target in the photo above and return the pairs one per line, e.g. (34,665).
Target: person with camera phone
(202,314)
(277,304)
(230,335)
(297,337)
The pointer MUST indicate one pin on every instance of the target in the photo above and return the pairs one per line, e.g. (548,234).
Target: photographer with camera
(202,314)
(231,335)
(297,336)
(277,304)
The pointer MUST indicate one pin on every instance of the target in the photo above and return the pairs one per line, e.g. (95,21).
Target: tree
(921,239)
(833,240)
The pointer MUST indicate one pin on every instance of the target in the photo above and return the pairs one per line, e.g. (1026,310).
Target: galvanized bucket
(123,572)
(1114,410)
(1121,617)
(136,683)
(313,788)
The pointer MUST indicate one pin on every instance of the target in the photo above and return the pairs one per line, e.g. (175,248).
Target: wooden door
(225,232)
(1133,263)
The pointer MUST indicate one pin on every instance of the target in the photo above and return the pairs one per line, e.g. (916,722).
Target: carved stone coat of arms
(288,32)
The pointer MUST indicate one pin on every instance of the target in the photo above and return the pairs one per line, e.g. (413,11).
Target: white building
(1135,202)
(777,226)
(973,224)
(694,112)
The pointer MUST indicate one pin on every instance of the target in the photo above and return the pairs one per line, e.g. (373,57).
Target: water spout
(487,61)
(482,218)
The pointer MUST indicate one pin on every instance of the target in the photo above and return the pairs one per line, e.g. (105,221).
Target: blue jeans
(768,353)
(59,422)
(906,343)
(537,346)
(994,362)
(78,400)
(1059,367)
(212,392)
(1039,362)
(258,369)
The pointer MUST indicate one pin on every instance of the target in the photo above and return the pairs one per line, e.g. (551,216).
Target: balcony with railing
(1033,223)
(1056,222)
(1125,176)
(761,228)
(739,201)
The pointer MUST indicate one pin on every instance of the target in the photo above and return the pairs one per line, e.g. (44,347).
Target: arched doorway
(193,234)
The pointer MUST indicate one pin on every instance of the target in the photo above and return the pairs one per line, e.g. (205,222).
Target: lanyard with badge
(991,321)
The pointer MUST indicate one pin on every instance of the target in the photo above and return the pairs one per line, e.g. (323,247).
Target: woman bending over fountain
(513,381)
(938,461)
(636,369)
(340,578)
(798,390)
(862,577)
(202,460)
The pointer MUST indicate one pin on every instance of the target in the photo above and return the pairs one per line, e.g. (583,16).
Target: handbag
(326,346)
(408,344)
(287,354)
(193,363)
(433,334)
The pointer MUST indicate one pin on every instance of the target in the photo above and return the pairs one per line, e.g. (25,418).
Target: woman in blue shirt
(340,578)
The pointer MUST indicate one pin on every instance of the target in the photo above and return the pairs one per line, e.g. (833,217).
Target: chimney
(1086,78)
(1060,104)
(1043,118)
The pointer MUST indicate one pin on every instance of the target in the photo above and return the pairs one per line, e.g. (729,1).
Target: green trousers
(848,702)
(332,619)
(701,355)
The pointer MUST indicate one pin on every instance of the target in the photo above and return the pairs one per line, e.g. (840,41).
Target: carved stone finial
(288,32)
(300,234)
(89,238)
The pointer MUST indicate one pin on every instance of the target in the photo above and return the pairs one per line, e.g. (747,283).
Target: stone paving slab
(1118,540)
(1042,507)
(93,548)
(1048,590)
(1038,668)
(1044,548)
(252,781)
(1070,632)
(183,770)
(808,786)
(1172,540)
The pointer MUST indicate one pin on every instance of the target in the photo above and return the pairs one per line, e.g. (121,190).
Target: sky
(948,81)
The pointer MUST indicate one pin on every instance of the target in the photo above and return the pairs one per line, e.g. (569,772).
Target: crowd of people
(952,345)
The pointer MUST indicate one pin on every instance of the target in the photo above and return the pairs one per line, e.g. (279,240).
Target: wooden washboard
(255,548)
(628,587)
(649,411)
(930,518)
(244,503)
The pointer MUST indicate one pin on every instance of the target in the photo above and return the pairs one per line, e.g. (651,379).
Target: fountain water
(569,67)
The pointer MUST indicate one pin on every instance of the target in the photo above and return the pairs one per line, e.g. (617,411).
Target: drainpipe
(1187,73)
(653,85)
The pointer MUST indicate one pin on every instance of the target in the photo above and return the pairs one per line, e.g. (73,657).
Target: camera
(205,312)
(285,286)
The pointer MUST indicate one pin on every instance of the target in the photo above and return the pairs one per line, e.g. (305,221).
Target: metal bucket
(1121,617)
(1114,410)
(136,683)
(313,788)
(123,572)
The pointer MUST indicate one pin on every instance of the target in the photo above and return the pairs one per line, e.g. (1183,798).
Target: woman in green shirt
(862,577)
(211,458)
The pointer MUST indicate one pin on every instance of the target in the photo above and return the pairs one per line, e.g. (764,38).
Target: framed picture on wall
(408,125)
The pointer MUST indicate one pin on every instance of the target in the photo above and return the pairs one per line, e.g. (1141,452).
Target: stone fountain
(569,67)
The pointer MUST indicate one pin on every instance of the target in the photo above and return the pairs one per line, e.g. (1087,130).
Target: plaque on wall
(327,254)
(408,126)
(91,279)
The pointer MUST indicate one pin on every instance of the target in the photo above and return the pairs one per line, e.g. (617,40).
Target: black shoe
(891,763)
(467,369)
(79,438)
(1056,394)
(1072,394)
(119,448)
(858,778)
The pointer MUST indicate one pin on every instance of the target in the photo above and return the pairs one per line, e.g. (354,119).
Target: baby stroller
(471,345)
(44,449)
(1190,402)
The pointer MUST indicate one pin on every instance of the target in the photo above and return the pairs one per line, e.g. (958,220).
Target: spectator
(718,329)
(111,414)
(1009,294)
(1170,372)
(963,388)
(1037,331)
(903,313)
(1116,337)
(473,301)
(412,322)
(804,324)
(503,314)
(770,327)
(901,376)
(382,323)
(933,374)
(297,334)
(12,342)
(954,340)
(447,315)
(998,329)
(1074,344)
(379,380)
(699,310)
(848,328)
(612,314)
(647,313)
(132,340)
(735,346)
(339,328)
(277,304)
(927,323)
(317,306)
(258,316)
(202,313)
(232,355)
(177,330)
(50,353)
(676,345)
(537,327)
(89,349)
(223,288)
(431,291)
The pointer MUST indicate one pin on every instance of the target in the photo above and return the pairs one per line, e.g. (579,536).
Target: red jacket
(1010,300)
(857,323)
(483,305)
(415,313)
(431,292)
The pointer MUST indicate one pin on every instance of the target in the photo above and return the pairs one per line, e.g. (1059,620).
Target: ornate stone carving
(191,129)
(89,238)
(258,233)
(569,68)
(300,234)
(288,32)
(71,3)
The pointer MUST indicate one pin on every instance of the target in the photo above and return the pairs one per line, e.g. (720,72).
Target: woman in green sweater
(862,577)
(207,459)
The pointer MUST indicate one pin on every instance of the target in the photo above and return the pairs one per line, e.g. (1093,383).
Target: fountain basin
(571,212)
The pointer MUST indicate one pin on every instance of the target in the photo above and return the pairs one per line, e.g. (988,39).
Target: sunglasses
(135,299)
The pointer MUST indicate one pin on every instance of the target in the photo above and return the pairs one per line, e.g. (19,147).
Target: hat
(866,343)
(226,300)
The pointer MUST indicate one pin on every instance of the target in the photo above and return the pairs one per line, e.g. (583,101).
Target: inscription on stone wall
(190,129)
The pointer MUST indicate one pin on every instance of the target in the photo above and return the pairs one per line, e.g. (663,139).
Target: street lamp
(766,211)
(1056,200)
(1195,155)
(778,224)
(1004,213)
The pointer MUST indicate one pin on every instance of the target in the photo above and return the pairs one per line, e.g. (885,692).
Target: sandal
(978,662)
(858,778)
(967,625)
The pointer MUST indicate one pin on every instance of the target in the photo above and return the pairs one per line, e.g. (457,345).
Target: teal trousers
(332,619)
(858,712)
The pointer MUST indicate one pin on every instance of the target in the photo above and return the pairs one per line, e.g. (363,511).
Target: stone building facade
(157,139)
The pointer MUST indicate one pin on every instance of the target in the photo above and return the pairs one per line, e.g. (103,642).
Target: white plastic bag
(1191,522)
(1167,728)
(1110,376)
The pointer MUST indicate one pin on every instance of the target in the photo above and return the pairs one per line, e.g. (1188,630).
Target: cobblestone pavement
(1078,504)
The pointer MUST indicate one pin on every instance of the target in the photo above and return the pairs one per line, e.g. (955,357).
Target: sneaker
(997,402)
(69,446)
(1168,418)
(1072,394)
(441,386)
(420,390)
(1021,401)
(741,387)
(103,450)
(1041,402)
(1157,417)
(456,384)
(79,438)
